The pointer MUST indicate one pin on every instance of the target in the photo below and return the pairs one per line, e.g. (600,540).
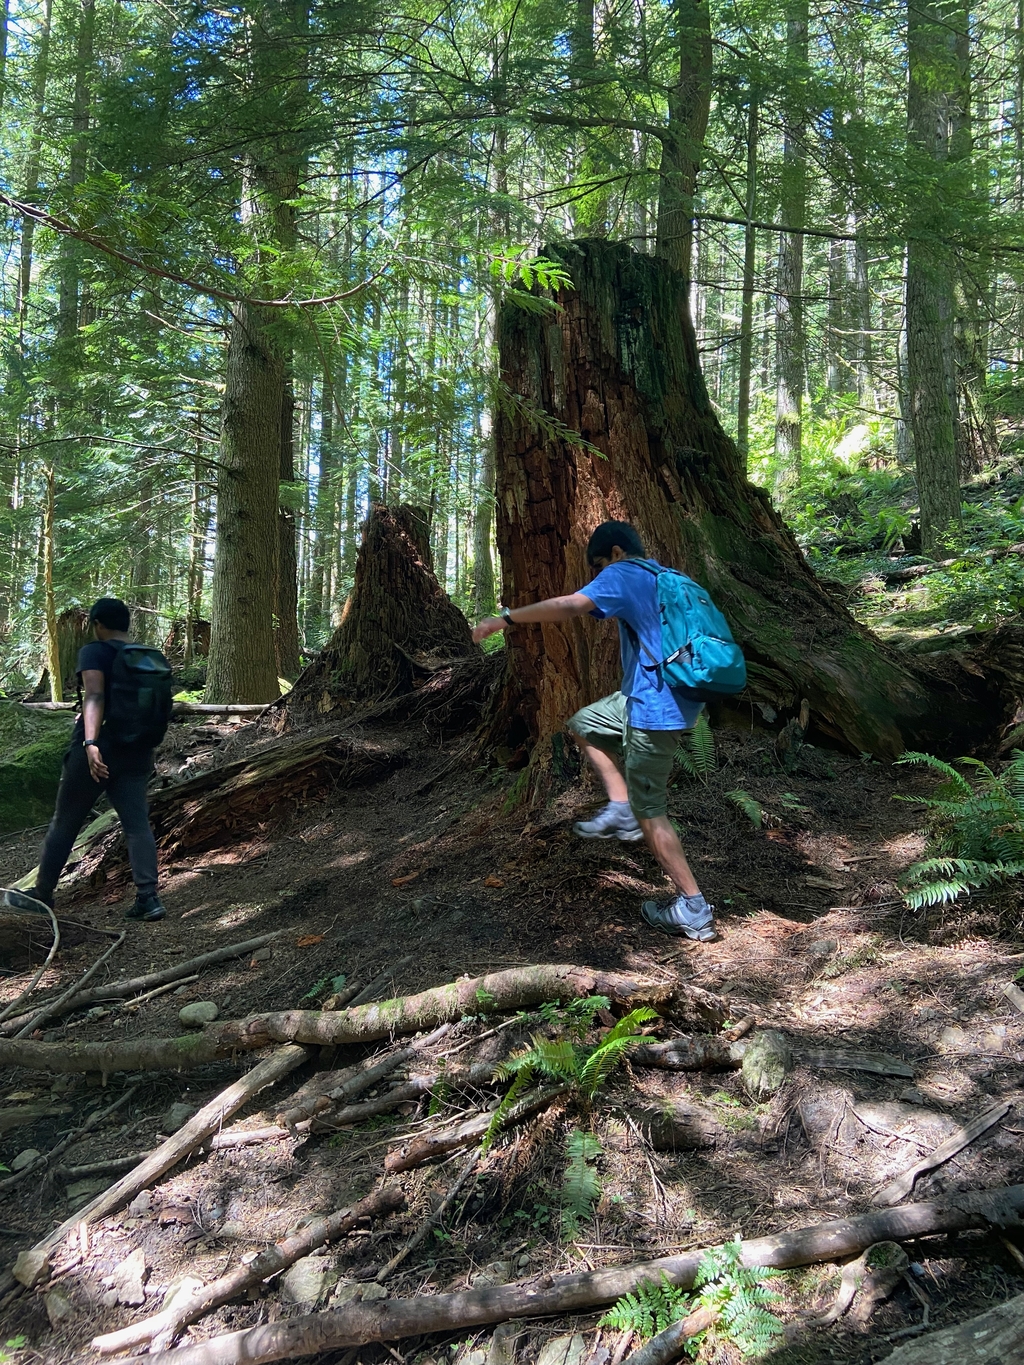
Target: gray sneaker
(613,822)
(28,902)
(685,916)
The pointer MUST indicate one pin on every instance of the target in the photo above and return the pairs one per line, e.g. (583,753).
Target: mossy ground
(34,744)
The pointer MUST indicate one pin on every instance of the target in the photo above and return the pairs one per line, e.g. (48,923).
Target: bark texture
(993,1338)
(399,625)
(618,364)
(391,1319)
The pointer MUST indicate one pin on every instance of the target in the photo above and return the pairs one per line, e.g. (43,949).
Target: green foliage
(977,830)
(741,1297)
(581,1184)
(649,1309)
(12,1344)
(750,808)
(29,777)
(327,985)
(696,755)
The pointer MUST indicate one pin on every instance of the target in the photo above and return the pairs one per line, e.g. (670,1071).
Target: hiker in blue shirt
(630,738)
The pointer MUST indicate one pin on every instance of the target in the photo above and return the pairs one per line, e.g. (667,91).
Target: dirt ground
(431,866)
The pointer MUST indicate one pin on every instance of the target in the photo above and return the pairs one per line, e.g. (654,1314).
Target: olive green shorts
(646,756)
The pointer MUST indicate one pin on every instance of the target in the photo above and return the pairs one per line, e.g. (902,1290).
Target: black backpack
(138,708)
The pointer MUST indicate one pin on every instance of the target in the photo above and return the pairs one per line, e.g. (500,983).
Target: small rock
(524,1261)
(129,1279)
(563,1351)
(306,1281)
(347,1293)
(473,1358)
(140,1205)
(182,990)
(911,1095)
(197,1014)
(373,1291)
(822,947)
(180,1291)
(503,1343)
(263,954)
(973,1041)
(177,1116)
(59,1308)
(30,1267)
(109,1299)
(232,1227)
(767,1063)
(24,1159)
(79,1192)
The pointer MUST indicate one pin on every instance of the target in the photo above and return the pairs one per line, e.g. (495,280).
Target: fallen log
(907,573)
(671,1344)
(993,1338)
(357,1324)
(121,990)
(680,1126)
(722,1053)
(199,1127)
(428,1146)
(272,1261)
(518,988)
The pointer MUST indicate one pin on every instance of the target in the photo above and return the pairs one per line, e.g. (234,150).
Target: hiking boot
(34,902)
(615,821)
(685,916)
(146,907)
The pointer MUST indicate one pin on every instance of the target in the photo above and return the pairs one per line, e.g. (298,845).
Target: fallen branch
(909,572)
(75,998)
(272,1261)
(199,1127)
(335,1086)
(28,1113)
(671,1344)
(357,1324)
(721,1052)
(20,999)
(900,1187)
(427,1146)
(366,994)
(518,988)
(846,1059)
(431,1221)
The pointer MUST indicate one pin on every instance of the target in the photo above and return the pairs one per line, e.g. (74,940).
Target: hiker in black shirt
(98,762)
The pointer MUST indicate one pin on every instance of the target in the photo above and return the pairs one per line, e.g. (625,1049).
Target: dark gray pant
(75,798)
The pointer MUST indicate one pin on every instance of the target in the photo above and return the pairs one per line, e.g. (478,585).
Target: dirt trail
(430,864)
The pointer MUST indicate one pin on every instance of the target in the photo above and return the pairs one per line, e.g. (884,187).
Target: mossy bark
(618,364)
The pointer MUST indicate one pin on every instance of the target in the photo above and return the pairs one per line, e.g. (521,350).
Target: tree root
(170,1322)
(358,1324)
(518,988)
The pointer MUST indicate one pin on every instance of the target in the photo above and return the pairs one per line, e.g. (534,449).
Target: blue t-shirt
(630,593)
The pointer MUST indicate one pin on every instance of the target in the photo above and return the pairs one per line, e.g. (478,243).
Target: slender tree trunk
(52,640)
(790,344)
(749,269)
(689,103)
(836,369)
(286,634)
(243,659)
(860,317)
(933,92)
(483,565)
(68,301)
(32,166)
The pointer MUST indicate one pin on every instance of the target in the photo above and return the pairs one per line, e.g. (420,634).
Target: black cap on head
(608,535)
(112,613)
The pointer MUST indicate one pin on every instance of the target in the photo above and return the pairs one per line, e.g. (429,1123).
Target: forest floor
(429,866)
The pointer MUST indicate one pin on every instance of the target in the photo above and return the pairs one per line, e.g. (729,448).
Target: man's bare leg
(663,841)
(606,768)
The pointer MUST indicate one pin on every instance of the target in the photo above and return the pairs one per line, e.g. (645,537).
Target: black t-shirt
(127,759)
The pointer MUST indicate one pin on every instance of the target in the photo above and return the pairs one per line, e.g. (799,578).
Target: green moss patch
(34,744)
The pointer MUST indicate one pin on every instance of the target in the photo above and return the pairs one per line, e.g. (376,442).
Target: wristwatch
(506,615)
(90,744)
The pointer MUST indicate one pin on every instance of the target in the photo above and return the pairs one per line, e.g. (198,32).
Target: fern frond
(581,1185)
(521,1082)
(938,765)
(750,808)
(701,742)
(653,1306)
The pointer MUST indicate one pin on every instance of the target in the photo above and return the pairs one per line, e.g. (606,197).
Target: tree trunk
(749,268)
(689,103)
(243,659)
(933,93)
(398,624)
(789,302)
(618,363)
(50,607)
(483,522)
(286,635)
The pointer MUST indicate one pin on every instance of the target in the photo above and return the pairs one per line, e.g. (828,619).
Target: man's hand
(98,770)
(490,625)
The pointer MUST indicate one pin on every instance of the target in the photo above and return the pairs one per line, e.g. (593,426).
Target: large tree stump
(399,625)
(618,364)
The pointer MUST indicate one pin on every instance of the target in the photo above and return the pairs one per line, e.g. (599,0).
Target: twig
(55,1006)
(479,1038)
(899,1188)
(368,992)
(158,990)
(91,1122)
(432,1219)
(1014,1251)
(9,1010)
(167,1324)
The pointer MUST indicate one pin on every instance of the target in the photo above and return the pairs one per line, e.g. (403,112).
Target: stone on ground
(563,1351)
(197,1014)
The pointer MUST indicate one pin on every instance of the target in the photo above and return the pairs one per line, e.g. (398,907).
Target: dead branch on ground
(431,1221)
(899,1188)
(357,1324)
(671,1344)
(428,1146)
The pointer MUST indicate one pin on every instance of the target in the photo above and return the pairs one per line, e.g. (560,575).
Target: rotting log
(505,992)
(272,1261)
(399,625)
(618,365)
(993,1338)
(358,1324)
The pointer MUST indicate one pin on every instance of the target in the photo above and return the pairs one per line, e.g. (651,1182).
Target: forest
(330,329)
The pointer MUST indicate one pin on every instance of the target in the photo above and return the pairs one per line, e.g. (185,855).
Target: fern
(698,757)
(653,1306)
(581,1185)
(977,830)
(750,808)
(602,1060)
(740,1298)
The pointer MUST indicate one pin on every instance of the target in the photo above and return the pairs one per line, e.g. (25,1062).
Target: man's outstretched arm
(551,609)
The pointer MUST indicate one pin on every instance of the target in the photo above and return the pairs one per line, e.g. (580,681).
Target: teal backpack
(700,659)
